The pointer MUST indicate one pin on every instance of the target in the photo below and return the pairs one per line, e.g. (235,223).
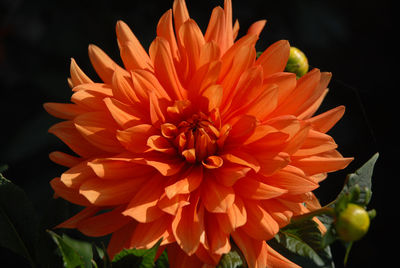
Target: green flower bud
(352,223)
(297,62)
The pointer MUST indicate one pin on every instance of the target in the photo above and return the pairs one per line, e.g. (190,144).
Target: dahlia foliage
(197,142)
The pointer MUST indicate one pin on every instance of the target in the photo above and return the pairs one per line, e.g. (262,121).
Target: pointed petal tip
(120,24)
(92,48)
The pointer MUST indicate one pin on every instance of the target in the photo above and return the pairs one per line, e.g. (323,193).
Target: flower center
(196,137)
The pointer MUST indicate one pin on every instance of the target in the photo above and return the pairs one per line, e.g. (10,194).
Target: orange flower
(196,142)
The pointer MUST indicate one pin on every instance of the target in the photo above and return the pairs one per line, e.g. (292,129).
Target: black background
(355,40)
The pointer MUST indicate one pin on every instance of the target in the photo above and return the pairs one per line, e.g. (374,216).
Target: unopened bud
(297,62)
(352,223)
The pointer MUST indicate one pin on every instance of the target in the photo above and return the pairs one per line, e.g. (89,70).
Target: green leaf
(304,239)
(140,258)
(230,260)
(162,261)
(71,257)
(360,183)
(83,248)
(18,221)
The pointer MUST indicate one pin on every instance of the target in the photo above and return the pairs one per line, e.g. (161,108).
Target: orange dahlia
(197,142)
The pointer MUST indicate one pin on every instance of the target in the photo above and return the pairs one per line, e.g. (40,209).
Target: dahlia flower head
(196,142)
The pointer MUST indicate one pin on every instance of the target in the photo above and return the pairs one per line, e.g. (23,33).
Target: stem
(348,248)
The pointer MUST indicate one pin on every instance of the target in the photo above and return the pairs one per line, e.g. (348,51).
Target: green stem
(346,257)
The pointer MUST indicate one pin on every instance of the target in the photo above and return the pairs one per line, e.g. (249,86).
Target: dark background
(355,40)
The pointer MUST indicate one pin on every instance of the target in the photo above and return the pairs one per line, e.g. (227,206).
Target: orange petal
(270,162)
(90,99)
(171,205)
(70,194)
(104,223)
(99,88)
(257,27)
(242,158)
(287,124)
(216,198)
(191,40)
(241,62)
(286,83)
(124,89)
(213,162)
(266,137)
(230,173)
(166,166)
(264,104)
(135,138)
(325,121)
(252,188)
(116,169)
(246,91)
(166,31)
(204,77)
(165,71)
(306,87)
(228,57)
(133,54)
(188,225)
(110,192)
(218,240)
(208,258)
(253,250)
(187,184)
(235,29)
(143,206)
(280,213)
(211,98)
(292,179)
(234,217)
(216,28)
(190,155)
(241,130)
(161,144)
(64,159)
(297,140)
(83,214)
(311,105)
(156,112)
(120,239)
(145,82)
(64,110)
(67,132)
(99,129)
(76,175)
(325,162)
(274,58)
(103,64)
(125,115)
(146,235)
(77,75)
(228,25)
(315,143)
(259,225)
(181,14)
(209,52)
